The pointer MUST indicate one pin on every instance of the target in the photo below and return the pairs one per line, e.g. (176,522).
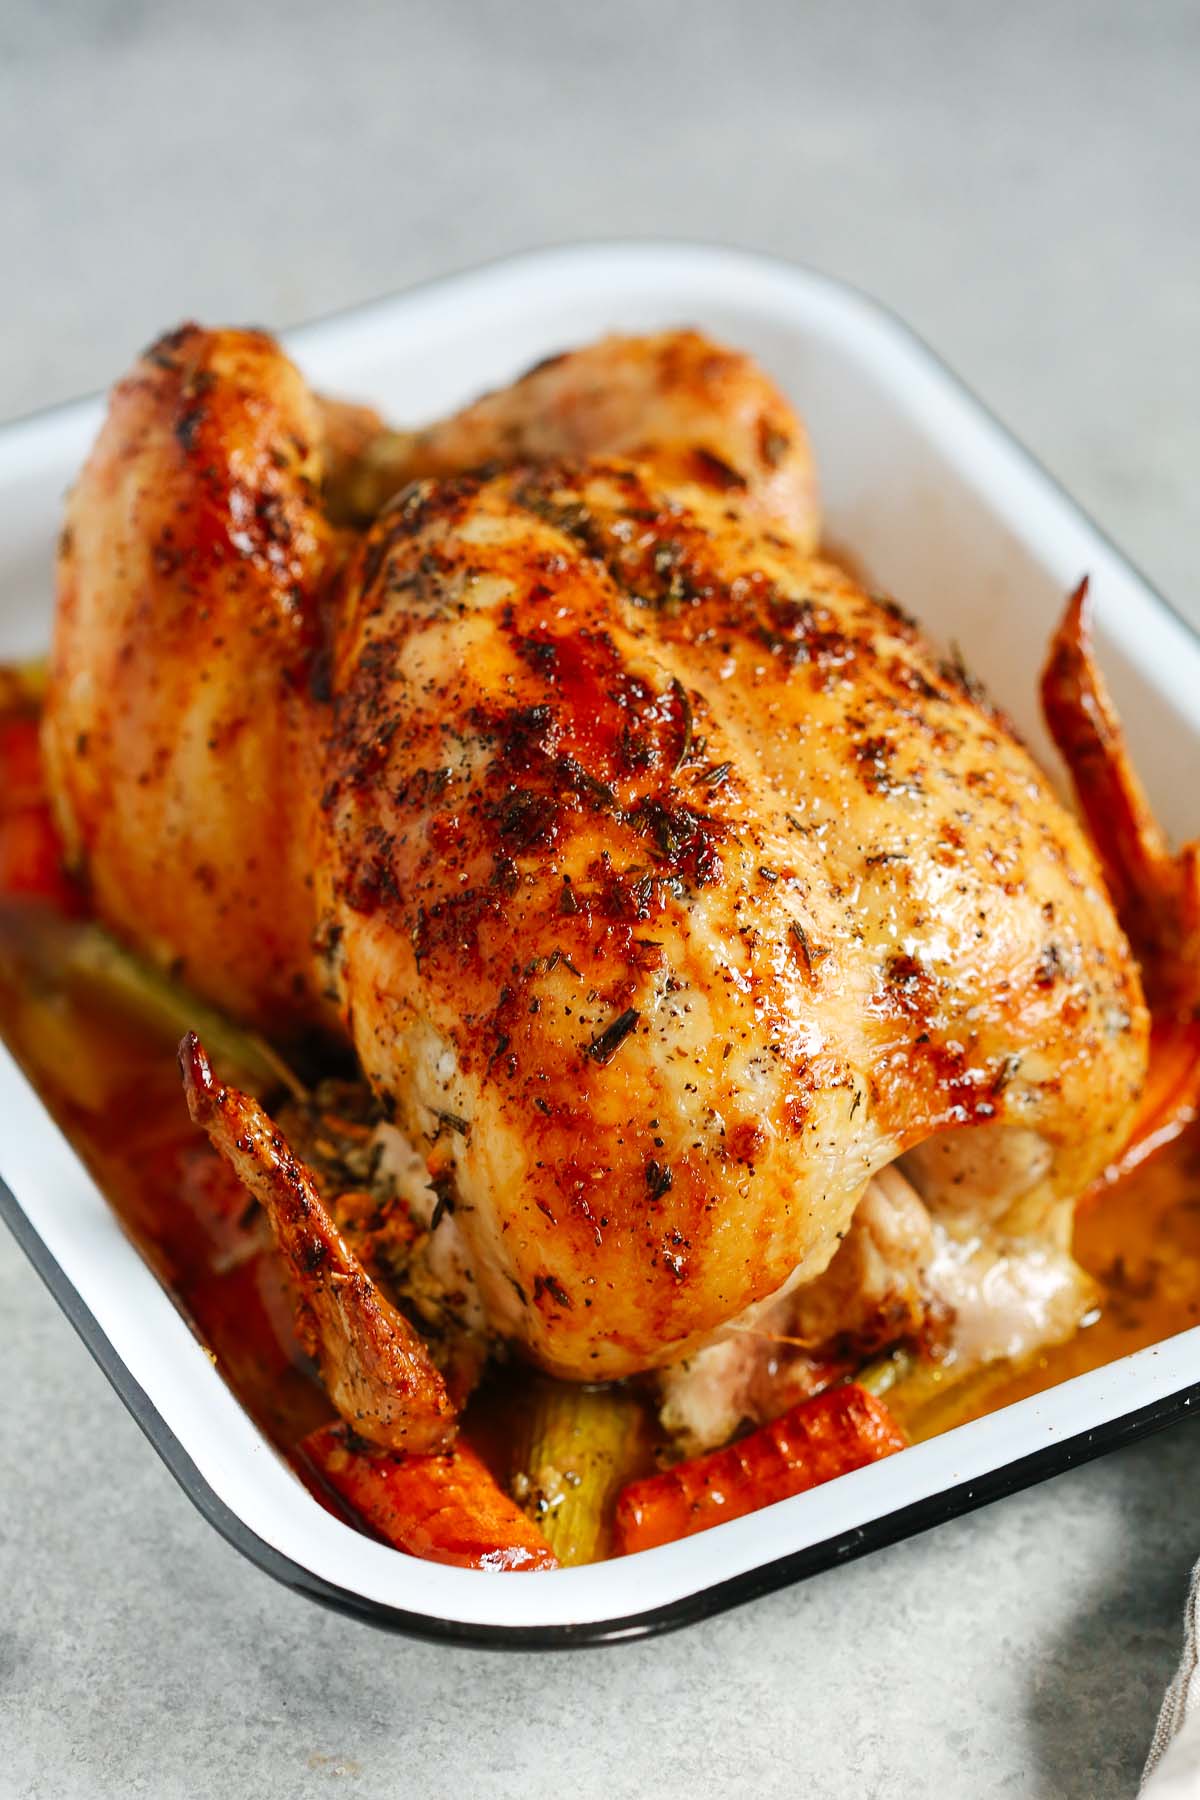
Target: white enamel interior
(949,515)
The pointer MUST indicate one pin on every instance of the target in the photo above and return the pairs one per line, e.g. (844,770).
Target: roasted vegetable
(21,782)
(30,860)
(886,1372)
(98,961)
(579,1447)
(837,1431)
(30,853)
(446,1508)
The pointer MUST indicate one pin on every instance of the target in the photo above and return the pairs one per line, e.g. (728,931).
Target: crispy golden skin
(178,735)
(703,417)
(201,538)
(684,877)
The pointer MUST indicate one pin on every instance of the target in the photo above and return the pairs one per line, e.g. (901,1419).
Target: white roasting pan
(950,515)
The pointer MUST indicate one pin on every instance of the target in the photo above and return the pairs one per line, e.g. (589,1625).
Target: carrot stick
(31,860)
(836,1431)
(31,865)
(446,1508)
(20,762)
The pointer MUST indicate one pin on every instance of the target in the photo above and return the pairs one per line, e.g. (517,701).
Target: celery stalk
(580,1447)
(101,963)
(880,1376)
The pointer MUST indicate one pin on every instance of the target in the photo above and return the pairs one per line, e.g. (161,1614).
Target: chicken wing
(375,1367)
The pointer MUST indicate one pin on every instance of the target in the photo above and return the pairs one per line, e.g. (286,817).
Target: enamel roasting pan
(946,512)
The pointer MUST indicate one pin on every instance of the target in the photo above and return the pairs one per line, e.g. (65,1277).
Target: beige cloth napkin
(1173,1766)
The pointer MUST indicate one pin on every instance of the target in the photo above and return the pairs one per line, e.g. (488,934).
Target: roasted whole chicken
(751,997)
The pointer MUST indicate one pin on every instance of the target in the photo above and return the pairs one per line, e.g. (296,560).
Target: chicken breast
(678,888)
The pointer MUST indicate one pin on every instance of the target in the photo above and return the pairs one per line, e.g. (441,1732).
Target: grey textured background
(1023,184)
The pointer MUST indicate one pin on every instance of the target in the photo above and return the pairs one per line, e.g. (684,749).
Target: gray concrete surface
(1022,184)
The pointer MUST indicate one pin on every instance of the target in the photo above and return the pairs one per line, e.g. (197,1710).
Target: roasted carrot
(446,1508)
(20,762)
(30,859)
(30,854)
(836,1431)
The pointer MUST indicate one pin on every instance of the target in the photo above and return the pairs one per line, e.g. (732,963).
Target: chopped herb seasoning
(658,1178)
(604,1047)
(715,776)
(443,1187)
(550,1284)
(685,706)
(800,936)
